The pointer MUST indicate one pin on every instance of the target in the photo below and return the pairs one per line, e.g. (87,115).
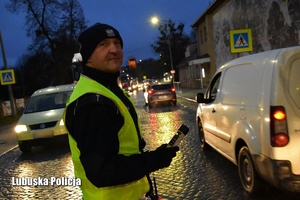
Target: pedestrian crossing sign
(241,40)
(7,77)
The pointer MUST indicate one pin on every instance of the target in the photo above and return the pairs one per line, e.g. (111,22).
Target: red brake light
(172,90)
(278,127)
(150,91)
(280,139)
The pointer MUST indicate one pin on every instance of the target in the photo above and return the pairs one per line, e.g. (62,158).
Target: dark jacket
(95,128)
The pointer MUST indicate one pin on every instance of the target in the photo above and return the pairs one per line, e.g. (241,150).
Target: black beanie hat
(90,38)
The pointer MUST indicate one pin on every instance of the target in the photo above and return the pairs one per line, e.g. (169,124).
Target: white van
(250,113)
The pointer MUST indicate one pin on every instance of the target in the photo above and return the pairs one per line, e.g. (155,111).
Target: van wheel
(203,143)
(250,179)
(25,148)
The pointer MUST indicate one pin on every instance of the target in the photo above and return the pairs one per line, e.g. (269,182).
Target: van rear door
(287,94)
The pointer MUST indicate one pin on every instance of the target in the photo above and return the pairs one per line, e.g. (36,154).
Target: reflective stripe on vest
(129,144)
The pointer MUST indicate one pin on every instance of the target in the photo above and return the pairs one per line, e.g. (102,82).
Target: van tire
(249,177)
(203,143)
(25,148)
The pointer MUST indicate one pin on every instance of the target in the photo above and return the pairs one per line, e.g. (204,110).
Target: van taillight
(172,90)
(278,123)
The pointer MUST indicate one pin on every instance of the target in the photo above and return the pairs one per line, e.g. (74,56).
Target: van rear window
(294,82)
(161,87)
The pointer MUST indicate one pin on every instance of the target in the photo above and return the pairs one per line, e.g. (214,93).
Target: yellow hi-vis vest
(129,144)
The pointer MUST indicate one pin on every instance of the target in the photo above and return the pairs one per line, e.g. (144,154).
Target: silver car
(42,117)
(160,93)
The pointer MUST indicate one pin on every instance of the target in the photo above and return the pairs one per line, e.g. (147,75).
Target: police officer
(104,129)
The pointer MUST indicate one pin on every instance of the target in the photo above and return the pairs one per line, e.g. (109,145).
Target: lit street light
(156,20)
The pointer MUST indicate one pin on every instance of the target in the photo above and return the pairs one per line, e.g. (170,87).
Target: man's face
(107,56)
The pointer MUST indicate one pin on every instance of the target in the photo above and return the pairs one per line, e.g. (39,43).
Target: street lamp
(156,20)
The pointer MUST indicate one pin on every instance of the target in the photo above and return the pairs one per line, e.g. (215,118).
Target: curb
(188,99)
(5,152)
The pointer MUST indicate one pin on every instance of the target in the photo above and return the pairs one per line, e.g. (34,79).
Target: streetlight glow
(154,20)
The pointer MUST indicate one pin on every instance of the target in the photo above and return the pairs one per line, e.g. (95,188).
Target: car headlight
(20,128)
(61,123)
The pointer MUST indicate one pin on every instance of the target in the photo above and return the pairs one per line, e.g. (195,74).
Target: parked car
(250,114)
(160,93)
(42,117)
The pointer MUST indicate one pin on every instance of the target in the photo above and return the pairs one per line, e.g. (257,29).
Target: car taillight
(172,90)
(150,91)
(278,123)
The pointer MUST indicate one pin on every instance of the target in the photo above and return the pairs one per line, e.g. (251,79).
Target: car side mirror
(201,99)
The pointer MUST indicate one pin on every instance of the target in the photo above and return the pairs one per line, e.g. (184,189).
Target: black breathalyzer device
(181,132)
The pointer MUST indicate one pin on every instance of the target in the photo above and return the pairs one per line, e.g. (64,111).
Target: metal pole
(10,92)
(170,51)
(168,32)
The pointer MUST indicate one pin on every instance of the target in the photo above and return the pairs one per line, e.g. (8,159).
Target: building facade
(273,23)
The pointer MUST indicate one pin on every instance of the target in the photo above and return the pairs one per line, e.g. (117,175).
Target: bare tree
(174,38)
(54,26)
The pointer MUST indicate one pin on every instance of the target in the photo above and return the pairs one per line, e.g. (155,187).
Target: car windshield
(47,102)
(161,87)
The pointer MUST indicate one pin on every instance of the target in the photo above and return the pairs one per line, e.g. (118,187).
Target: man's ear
(89,63)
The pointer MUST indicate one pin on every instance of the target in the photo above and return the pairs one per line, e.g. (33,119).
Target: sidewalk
(4,127)
(8,139)
(189,93)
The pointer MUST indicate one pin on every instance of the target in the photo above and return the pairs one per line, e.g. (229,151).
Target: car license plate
(163,97)
(43,134)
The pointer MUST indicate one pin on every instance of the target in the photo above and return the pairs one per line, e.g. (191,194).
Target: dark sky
(130,17)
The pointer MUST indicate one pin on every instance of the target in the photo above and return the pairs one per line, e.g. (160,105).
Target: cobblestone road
(193,174)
